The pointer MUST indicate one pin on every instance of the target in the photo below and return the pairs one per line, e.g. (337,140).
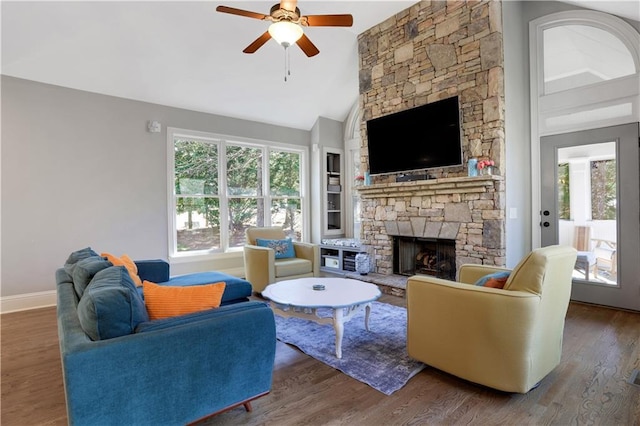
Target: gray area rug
(377,357)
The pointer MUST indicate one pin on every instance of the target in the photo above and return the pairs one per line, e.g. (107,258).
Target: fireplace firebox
(424,256)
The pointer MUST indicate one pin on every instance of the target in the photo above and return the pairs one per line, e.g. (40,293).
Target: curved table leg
(338,326)
(367,311)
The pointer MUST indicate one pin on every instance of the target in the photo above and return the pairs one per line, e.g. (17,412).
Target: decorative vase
(472,167)
(489,170)
(362,263)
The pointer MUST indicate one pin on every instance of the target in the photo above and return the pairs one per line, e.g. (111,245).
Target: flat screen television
(418,138)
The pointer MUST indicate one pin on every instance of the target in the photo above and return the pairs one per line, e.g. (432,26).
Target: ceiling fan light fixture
(285,33)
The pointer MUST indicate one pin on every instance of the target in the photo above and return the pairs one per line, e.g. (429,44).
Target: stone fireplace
(431,51)
(466,211)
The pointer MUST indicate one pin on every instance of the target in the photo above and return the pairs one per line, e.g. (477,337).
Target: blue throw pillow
(283,248)
(77,256)
(494,280)
(85,270)
(111,305)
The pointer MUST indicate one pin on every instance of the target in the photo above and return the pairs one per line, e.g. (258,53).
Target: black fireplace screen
(424,256)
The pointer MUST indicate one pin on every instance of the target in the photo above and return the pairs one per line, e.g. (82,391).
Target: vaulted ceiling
(187,55)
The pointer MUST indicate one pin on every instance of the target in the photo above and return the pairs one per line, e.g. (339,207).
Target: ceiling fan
(287,23)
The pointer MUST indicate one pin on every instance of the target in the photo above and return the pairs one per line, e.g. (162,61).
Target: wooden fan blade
(257,44)
(307,47)
(289,5)
(234,11)
(328,20)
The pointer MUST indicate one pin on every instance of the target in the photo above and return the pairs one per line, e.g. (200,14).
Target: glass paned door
(587,214)
(590,186)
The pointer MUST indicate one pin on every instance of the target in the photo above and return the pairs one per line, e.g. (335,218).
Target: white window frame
(223,141)
(352,145)
(623,90)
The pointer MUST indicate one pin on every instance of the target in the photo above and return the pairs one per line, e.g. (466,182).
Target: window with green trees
(564,198)
(602,181)
(260,186)
(284,187)
(197,201)
(603,190)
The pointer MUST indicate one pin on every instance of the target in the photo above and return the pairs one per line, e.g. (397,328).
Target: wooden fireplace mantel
(442,186)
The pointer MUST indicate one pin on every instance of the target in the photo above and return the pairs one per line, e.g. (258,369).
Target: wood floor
(601,349)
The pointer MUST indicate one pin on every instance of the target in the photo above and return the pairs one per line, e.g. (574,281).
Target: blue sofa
(170,371)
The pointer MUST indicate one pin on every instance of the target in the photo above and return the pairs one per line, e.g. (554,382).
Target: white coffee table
(346,297)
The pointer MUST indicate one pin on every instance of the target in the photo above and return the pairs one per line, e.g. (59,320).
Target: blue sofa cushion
(77,256)
(164,323)
(154,270)
(84,271)
(111,305)
(237,289)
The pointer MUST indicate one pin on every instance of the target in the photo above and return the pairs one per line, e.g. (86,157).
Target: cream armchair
(261,266)
(507,339)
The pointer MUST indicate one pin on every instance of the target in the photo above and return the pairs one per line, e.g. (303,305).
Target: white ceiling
(187,55)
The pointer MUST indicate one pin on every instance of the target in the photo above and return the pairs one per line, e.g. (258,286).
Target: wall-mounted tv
(418,138)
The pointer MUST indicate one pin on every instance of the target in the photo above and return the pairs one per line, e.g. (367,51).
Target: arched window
(585,72)
(352,148)
(581,55)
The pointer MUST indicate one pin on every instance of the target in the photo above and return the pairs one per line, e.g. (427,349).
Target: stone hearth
(469,210)
(394,285)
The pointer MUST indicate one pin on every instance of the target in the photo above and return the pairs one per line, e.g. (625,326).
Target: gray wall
(80,169)
(517,132)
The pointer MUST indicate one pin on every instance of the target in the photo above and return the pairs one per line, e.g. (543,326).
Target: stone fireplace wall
(431,51)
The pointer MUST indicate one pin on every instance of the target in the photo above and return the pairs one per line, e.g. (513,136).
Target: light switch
(513,213)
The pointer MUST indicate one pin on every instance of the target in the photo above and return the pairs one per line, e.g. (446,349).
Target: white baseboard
(23,302)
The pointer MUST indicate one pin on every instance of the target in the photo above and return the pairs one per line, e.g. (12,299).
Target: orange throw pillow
(128,263)
(169,301)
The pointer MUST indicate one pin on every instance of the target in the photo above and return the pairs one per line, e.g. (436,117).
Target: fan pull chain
(287,63)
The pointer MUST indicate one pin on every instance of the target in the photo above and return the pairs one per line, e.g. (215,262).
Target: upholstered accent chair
(507,339)
(263,268)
